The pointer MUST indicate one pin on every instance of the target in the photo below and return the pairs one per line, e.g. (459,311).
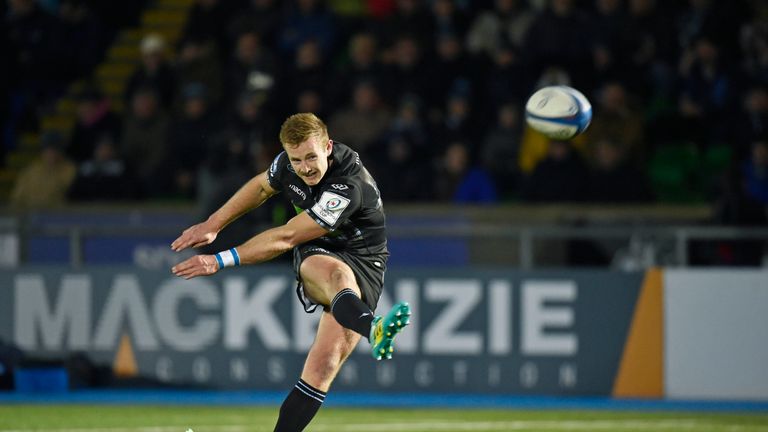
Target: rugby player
(339,253)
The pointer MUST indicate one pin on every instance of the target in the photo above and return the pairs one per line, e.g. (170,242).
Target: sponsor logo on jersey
(330,206)
(298,191)
(340,187)
(316,249)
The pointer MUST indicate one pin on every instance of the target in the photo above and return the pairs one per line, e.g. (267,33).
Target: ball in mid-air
(559,112)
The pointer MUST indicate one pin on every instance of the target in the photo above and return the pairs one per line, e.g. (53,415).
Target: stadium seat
(673,170)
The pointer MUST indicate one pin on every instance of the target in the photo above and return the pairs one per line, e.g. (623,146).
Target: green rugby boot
(384,329)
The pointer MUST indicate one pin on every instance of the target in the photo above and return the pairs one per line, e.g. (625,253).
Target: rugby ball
(559,112)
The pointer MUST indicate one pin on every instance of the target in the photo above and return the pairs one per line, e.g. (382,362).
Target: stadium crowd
(430,92)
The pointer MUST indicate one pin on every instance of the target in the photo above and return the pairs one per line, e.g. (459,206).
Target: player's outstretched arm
(259,248)
(251,195)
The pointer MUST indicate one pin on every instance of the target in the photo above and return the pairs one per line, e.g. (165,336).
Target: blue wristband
(219,260)
(228,258)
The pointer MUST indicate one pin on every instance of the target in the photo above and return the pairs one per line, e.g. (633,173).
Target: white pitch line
(436,426)
(566,425)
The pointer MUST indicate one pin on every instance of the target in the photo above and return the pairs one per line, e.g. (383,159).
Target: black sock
(299,407)
(351,312)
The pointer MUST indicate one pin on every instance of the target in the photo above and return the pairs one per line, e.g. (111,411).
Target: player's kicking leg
(331,281)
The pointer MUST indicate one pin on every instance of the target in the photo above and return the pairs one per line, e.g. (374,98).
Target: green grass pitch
(92,418)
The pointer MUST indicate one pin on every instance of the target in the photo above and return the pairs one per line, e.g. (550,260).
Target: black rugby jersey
(346,201)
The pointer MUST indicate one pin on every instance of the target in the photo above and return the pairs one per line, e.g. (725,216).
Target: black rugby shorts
(368,269)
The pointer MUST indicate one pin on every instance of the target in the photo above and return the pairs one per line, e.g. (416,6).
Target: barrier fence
(690,334)
(412,242)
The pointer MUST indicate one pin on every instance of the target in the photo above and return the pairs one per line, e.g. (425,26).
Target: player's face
(310,159)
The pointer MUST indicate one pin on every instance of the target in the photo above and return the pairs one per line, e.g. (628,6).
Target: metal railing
(518,245)
(527,236)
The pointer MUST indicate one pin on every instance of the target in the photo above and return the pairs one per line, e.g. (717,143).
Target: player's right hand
(198,265)
(195,236)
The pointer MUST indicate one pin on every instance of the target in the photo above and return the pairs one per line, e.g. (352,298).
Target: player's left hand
(198,265)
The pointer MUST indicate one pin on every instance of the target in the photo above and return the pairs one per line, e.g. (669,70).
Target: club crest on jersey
(333,204)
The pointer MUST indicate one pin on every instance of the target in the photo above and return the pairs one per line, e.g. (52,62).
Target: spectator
(613,177)
(144,142)
(154,71)
(706,93)
(380,9)
(608,25)
(44,183)
(617,121)
(253,67)
(198,61)
(454,66)
(405,70)
(503,27)
(116,15)
(716,20)
(560,177)
(7,78)
(364,122)
(103,177)
(83,35)
(501,150)
(363,64)
(309,71)
(34,50)
(755,172)
(413,179)
(559,37)
(253,125)
(702,86)
(457,180)
(752,122)
(447,18)
(235,149)
(191,139)
(310,100)
(208,21)
(35,37)
(457,123)
(408,127)
(649,61)
(409,18)
(259,16)
(94,119)
(506,78)
(754,45)
(308,20)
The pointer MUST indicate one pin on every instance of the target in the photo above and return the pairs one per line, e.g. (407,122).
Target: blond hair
(300,127)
